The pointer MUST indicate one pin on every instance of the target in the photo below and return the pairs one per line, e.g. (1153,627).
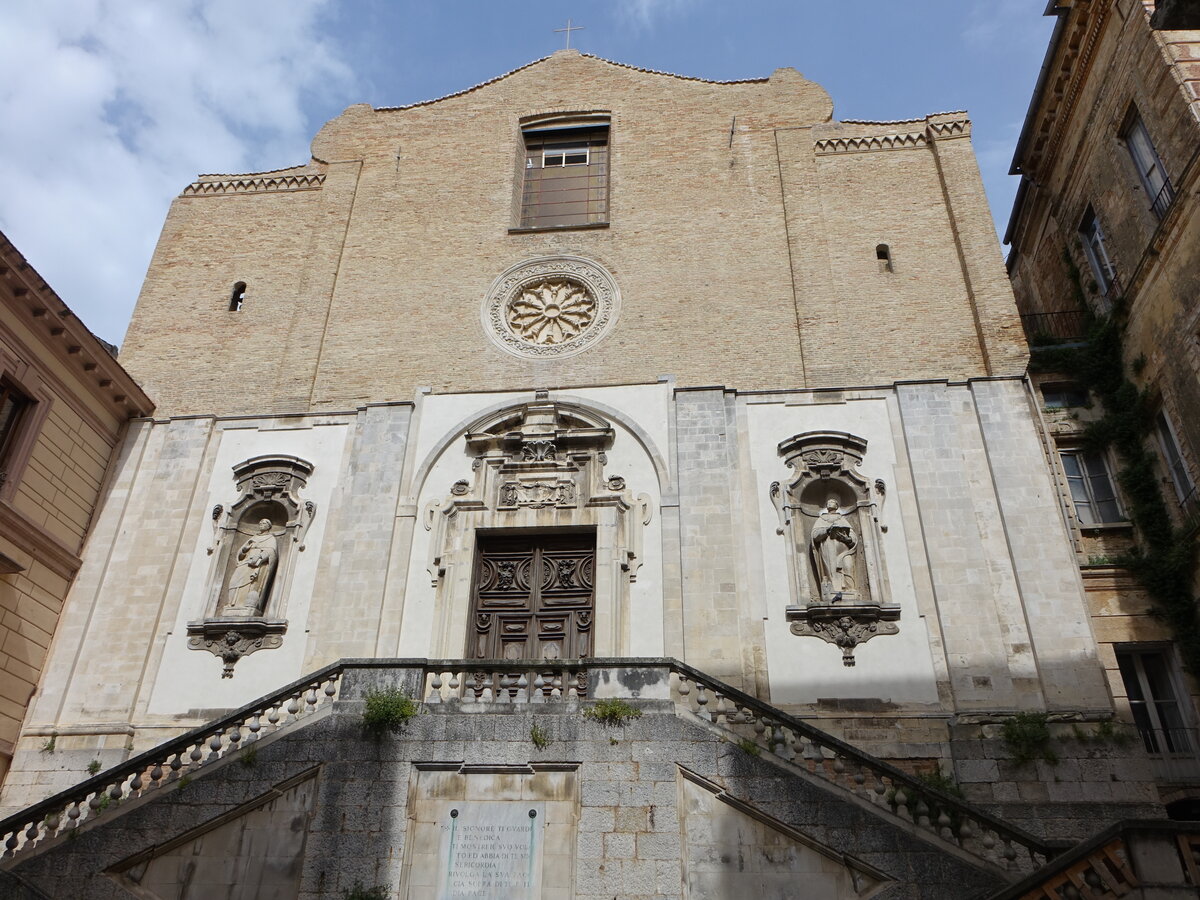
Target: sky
(109,108)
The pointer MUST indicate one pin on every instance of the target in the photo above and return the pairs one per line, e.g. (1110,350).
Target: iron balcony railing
(448,684)
(1162,200)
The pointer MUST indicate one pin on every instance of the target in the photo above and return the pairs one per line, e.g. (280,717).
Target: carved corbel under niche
(231,639)
(844,626)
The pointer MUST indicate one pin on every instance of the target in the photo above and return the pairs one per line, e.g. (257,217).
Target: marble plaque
(491,850)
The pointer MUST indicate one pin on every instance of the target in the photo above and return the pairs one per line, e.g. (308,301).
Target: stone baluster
(539,688)
(943,824)
(522,687)
(214,746)
(454,683)
(293,708)
(73,813)
(900,798)
(434,693)
(684,688)
(720,715)
(702,702)
(556,686)
(254,727)
(922,812)
(331,686)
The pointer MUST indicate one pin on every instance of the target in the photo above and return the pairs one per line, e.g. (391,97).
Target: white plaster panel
(191,679)
(897,668)
(645,406)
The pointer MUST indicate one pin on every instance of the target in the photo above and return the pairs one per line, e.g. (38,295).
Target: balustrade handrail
(1081,852)
(15,823)
(224,735)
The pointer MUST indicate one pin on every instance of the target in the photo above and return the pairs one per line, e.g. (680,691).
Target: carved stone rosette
(829,516)
(551,307)
(254,544)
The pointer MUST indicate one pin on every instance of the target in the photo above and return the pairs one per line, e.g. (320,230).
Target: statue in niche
(250,582)
(834,544)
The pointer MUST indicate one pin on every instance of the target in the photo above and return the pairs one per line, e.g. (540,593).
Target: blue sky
(110,107)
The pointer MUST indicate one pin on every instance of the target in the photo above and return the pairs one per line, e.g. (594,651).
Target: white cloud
(110,107)
(642,13)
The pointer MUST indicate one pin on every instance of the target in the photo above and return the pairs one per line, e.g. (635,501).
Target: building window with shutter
(1092,237)
(1148,164)
(565,174)
(1151,684)
(1091,487)
(1168,446)
(14,413)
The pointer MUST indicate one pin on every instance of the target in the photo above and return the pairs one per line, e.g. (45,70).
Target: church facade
(595,363)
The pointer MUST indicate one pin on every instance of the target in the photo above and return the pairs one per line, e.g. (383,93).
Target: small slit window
(237,297)
(883,253)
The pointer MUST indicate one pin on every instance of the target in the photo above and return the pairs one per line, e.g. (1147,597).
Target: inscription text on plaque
(491,850)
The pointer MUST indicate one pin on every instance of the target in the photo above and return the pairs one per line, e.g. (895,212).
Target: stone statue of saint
(833,546)
(250,582)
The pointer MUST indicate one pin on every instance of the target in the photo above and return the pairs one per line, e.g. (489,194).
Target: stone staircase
(648,792)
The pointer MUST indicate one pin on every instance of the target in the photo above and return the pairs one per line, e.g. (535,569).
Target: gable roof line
(535,62)
(948,112)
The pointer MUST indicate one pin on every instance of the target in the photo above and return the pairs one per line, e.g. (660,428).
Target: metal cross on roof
(568,30)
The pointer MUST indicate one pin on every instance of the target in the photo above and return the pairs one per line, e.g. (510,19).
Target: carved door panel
(533,597)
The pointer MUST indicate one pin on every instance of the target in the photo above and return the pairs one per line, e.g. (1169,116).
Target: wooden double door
(533,597)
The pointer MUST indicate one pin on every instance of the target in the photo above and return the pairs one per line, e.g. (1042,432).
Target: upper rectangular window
(1091,487)
(1092,236)
(1064,395)
(1172,457)
(1150,167)
(14,409)
(566,175)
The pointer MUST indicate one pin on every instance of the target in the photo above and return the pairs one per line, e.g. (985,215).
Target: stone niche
(539,467)
(491,831)
(829,514)
(254,544)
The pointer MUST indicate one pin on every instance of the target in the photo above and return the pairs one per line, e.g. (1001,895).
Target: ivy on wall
(1164,560)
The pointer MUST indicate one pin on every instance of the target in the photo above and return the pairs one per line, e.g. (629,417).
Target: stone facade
(366,268)
(387,406)
(1106,224)
(72,403)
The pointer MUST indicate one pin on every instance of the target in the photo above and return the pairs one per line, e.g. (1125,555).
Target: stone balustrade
(756,726)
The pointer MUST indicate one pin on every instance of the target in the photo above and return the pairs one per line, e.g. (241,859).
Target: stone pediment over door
(538,467)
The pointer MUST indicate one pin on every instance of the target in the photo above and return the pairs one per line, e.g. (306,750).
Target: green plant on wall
(1163,562)
(1028,738)
(611,712)
(388,709)
(539,736)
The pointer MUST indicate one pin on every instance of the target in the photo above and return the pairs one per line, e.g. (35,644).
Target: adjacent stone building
(584,393)
(1105,264)
(64,404)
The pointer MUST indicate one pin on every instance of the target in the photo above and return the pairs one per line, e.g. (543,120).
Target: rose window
(551,306)
(551,311)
